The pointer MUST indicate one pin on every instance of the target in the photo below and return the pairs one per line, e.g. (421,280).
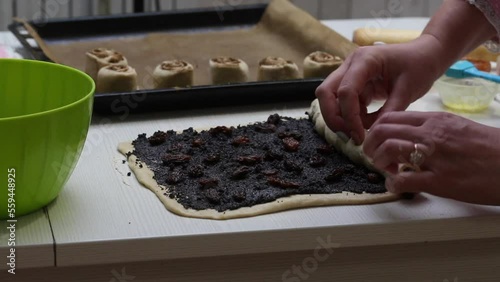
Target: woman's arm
(401,73)
(458,27)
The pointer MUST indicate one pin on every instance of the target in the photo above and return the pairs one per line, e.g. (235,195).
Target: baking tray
(194,20)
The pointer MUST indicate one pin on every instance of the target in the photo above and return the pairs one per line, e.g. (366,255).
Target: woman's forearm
(458,27)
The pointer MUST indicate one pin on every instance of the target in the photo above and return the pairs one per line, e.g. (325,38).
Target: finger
(364,100)
(351,112)
(333,80)
(409,118)
(392,169)
(382,132)
(393,152)
(366,96)
(410,182)
(349,91)
(374,89)
(397,100)
(330,85)
(326,94)
(380,90)
(370,119)
(330,110)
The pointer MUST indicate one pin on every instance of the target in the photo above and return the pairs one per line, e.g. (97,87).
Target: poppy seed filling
(226,168)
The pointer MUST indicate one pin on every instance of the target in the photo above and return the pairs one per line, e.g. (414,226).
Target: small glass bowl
(466,94)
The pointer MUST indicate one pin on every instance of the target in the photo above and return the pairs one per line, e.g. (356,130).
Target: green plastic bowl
(45,112)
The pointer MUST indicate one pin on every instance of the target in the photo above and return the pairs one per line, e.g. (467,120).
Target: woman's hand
(400,73)
(461,157)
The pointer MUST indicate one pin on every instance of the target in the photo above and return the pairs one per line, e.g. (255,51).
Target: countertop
(103,216)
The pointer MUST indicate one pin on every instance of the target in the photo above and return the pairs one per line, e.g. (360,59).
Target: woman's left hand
(461,158)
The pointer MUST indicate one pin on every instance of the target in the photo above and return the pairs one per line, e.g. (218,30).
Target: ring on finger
(417,158)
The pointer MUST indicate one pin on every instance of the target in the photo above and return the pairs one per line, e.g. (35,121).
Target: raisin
(196,171)
(241,172)
(212,158)
(270,172)
(208,182)
(240,140)
(221,129)
(273,155)
(277,182)
(265,128)
(373,178)
(249,160)
(174,178)
(325,149)
(335,175)
(240,196)
(175,159)
(291,144)
(292,165)
(274,119)
(290,134)
(198,142)
(212,196)
(274,181)
(158,138)
(317,161)
(177,147)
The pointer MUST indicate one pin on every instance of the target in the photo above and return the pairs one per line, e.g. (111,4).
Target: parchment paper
(284,30)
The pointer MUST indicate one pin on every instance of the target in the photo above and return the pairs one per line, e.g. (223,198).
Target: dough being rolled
(116,78)
(174,73)
(228,70)
(338,139)
(102,57)
(320,65)
(275,68)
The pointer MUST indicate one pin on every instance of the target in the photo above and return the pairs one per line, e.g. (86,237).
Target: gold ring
(416,160)
(417,156)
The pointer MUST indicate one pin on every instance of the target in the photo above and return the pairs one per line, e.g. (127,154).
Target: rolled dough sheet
(146,177)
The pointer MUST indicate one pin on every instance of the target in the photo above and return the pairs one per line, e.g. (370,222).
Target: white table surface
(102,216)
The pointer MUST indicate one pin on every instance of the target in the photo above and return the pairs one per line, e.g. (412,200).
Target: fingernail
(355,138)
(389,184)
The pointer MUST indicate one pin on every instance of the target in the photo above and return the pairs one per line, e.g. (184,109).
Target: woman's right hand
(460,158)
(399,73)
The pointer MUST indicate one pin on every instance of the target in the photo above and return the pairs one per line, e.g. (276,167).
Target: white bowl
(466,94)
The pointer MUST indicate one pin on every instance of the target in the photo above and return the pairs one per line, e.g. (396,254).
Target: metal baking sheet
(196,20)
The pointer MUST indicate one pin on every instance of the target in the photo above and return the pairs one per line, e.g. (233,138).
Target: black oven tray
(195,20)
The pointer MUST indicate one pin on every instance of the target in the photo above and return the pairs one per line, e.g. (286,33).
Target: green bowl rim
(79,72)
